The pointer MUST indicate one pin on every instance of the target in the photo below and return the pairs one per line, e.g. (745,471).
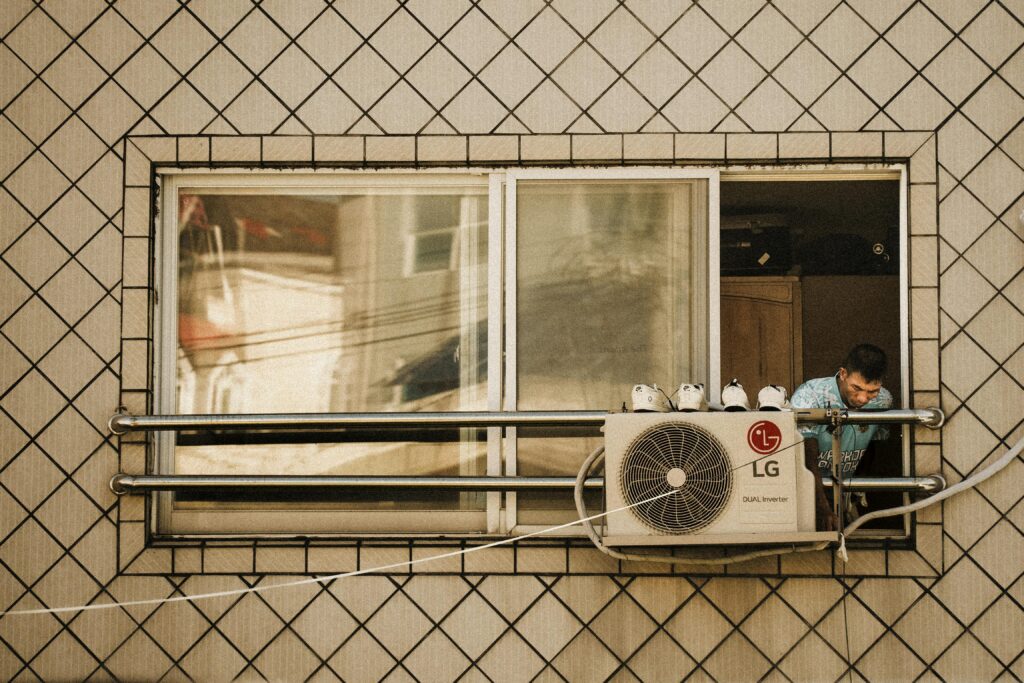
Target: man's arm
(825,517)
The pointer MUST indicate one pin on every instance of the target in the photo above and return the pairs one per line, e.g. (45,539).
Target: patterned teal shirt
(824,393)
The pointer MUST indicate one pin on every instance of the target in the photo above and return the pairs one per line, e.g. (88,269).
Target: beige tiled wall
(93,94)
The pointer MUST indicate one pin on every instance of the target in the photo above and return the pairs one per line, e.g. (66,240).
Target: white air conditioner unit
(739,478)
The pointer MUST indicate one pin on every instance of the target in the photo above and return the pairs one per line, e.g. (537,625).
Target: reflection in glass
(365,300)
(605,300)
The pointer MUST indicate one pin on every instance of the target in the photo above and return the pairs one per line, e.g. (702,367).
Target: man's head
(860,375)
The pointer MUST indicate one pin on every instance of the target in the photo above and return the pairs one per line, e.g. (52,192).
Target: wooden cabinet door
(761,332)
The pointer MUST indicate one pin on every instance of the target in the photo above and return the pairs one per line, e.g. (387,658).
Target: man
(857,386)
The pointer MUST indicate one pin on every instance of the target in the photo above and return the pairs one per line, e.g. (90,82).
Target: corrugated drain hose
(596,457)
(969,482)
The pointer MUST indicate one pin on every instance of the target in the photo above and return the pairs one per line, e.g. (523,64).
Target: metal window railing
(123,423)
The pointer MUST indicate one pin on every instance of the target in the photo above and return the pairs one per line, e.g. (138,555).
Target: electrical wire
(968,483)
(330,577)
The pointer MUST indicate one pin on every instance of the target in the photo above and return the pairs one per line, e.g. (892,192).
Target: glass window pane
(306,303)
(607,296)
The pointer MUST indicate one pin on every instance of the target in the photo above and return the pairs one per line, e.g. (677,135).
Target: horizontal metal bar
(122,423)
(932,483)
(129,483)
(926,417)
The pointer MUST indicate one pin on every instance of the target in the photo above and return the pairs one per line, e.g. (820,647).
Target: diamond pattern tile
(256,41)
(962,145)
(362,659)
(511,659)
(968,659)
(998,629)
(812,659)
(890,657)
(256,110)
(881,71)
(548,39)
(957,71)
(736,659)
(250,625)
(474,626)
(732,74)
(365,77)
(584,75)
(997,400)
(695,38)
(37,39)
(74,148)
(286,657)
(621,39)
(401,41)
(623,627)
(997,254)
(968,441)
(769,107)
(864,627)
(993,34)
(36,256)
(110,112)
(657,74)
(967,298)
(511,76)
(965,591)
(919,106)
(621,109)
(147,76)
(918,36)
(63,659)
(548,626)
(475,40)
(699,627)
(293,76)
(548,110)
(1001,551)
(139,656)
(29,552)
(968,519)
(843,36)
(995,108)
(438,76)
(211,657)
(843,107)
(585,658)
(330,80)
(398,625)
(774,628)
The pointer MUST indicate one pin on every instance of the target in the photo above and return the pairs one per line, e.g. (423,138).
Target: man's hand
(824,516)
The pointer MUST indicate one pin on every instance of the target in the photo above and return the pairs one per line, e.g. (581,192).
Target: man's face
(856,390)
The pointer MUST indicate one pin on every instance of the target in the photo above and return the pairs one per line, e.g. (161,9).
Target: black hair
(868,360)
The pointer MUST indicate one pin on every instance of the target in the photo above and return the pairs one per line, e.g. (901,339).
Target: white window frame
(711,304)
(499,515)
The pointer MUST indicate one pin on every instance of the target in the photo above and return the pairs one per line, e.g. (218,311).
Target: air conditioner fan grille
(652,465)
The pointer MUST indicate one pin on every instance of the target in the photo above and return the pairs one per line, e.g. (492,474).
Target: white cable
(322,579)
(581,509)
(970,482)
(585,520)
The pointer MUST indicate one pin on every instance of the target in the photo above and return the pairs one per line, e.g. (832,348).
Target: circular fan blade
(679,457)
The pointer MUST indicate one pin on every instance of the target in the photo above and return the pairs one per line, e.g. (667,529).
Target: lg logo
(765,437)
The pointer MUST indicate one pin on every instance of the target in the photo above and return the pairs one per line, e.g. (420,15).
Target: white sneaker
(648,398)
(734,398)
(773,397)
(690,398)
